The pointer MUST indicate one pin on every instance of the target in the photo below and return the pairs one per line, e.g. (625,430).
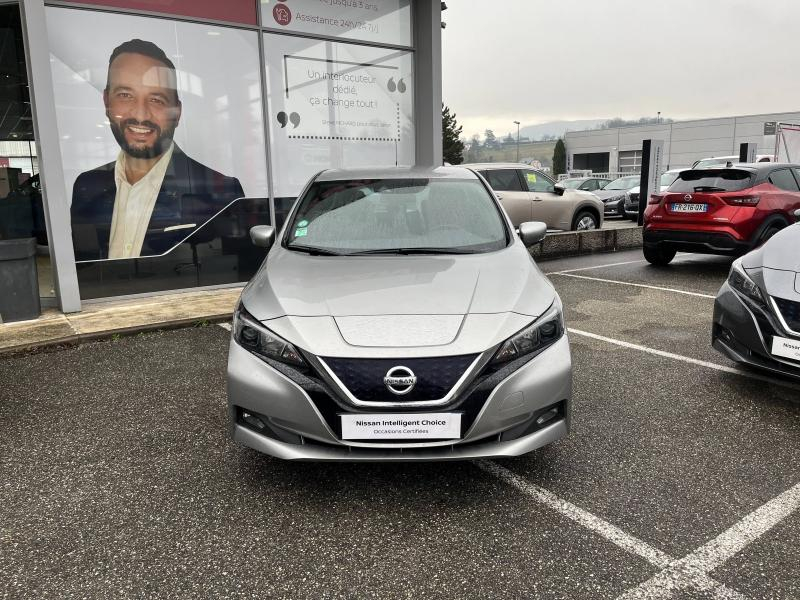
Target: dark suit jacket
(190,193)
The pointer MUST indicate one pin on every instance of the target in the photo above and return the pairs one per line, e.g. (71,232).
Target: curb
(575,243)
(81,338)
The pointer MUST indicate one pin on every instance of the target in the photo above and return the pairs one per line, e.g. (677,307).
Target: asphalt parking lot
(680,479)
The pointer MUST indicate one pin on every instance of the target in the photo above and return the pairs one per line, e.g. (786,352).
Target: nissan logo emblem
(688,197)
(400,380)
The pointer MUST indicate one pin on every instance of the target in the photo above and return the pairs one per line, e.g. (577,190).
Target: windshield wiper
(407,251)
(312,250)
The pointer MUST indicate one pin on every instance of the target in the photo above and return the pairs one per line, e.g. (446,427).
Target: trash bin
(19,282)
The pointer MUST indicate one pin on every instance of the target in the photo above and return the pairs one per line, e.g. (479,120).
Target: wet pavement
(119,479)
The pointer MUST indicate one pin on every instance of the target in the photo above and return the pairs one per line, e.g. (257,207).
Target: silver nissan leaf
(398,316)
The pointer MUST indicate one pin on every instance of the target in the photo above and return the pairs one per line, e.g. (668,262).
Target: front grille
(790,310)
(363,378)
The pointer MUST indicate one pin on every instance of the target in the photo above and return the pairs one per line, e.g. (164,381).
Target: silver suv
(398,317)
(530,195)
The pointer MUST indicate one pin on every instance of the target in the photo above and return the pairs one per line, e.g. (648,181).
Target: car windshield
(623,183)
(712,180)
(667,179)
(404,216)
(570,184)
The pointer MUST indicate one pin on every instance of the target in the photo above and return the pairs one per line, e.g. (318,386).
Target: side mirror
(558,190)
(262,236)
(532,232)
(797,215)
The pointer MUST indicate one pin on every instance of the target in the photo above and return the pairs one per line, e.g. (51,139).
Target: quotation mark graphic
(400,86)
(283,119)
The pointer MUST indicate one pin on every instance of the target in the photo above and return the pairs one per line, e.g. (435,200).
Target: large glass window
(162,144)
(336,105)
(21,206)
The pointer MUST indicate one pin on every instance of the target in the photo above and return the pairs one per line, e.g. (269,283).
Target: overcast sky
(543,60)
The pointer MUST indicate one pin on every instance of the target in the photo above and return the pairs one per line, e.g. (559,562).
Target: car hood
(776,264)
(606,194)
(371,306)
(296,284)
(780,252)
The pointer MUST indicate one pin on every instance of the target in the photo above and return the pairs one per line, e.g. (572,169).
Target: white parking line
(606,530)
(639,285)
(610,532)
(225,326)
(685,572)
(686,359)
(616,264)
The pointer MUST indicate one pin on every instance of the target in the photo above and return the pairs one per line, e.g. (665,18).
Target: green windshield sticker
(531,178)
(303,223)
(301,232)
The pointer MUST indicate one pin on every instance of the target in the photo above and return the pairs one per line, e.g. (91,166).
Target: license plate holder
(401,426)
(686,207)
(786,348)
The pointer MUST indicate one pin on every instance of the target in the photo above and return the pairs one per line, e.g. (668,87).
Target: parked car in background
(721,211)
(757,310)
(613,195)
(632,199)
(587,184)
(392,320)
(721,161)
(529,195)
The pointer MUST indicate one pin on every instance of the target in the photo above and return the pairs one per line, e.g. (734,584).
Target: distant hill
(556,128)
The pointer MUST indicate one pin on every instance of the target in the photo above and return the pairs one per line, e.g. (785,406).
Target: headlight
(740,281)
(254,337)
(543,332)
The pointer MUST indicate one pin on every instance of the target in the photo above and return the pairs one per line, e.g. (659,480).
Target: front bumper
(303,422)
(743,332)
(614,208)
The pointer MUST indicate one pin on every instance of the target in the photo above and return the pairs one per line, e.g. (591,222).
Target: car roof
(498,165)
(396,173)
(757,167)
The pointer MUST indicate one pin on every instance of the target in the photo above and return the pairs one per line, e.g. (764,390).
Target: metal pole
(517,123)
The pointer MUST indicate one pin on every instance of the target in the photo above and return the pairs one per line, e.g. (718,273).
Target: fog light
(547,416)
(253,421)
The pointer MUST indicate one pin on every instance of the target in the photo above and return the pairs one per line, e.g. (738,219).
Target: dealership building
(140,140)
(619,150)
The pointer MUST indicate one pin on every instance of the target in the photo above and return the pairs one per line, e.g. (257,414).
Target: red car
(721,211)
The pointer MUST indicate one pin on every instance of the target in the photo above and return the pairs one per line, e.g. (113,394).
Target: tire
(659,256)
(584,221)
(768,233)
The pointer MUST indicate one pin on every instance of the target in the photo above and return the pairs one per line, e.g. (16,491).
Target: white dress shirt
(133,207)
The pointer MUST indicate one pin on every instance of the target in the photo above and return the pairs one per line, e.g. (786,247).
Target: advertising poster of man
(155,140)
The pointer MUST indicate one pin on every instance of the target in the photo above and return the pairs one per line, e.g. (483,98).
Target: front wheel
(658,256)
(584,221)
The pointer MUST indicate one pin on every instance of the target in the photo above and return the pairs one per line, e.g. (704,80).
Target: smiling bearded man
(153,196)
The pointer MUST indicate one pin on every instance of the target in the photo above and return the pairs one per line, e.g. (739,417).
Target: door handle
(537,198)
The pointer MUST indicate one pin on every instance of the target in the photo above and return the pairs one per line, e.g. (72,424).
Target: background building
(620,149)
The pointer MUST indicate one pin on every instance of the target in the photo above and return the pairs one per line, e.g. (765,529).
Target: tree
(452,146)
(559,158)
(490,141)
